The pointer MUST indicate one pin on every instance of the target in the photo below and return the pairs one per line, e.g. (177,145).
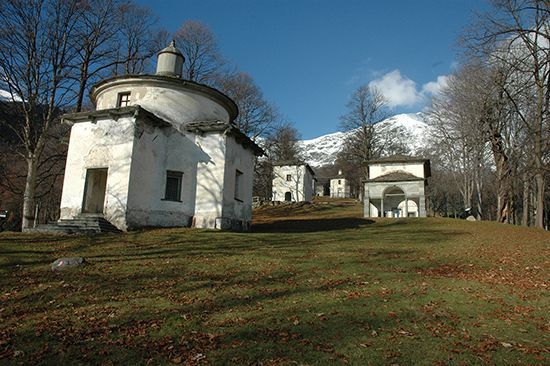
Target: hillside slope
(314,284)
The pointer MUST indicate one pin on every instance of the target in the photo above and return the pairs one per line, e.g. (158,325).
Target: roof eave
(227,128)
(113,113)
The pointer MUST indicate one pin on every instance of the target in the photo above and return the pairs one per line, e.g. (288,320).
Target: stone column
(421,206)
(406,206)
(382,206)
(366,203)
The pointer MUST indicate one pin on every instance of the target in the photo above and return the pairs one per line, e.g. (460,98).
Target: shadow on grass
(277,211)
(311,225)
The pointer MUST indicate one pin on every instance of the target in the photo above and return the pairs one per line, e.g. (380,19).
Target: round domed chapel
(159,151)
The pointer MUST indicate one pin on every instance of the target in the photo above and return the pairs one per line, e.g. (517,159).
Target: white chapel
(159,151)
(396,187)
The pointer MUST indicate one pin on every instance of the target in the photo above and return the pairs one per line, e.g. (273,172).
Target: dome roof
(171,48)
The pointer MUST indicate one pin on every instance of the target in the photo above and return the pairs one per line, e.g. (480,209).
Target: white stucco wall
(340,190)
(103,144)
(237,210)
(138,156)
(165,99)
(373,210)
(378,169)
(210,180)
(157,150)
(300,186)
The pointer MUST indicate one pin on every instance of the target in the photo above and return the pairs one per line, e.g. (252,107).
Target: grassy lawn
(312,284)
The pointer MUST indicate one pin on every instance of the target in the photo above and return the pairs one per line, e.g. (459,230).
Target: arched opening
(408,208)
(392,197)
(288,196)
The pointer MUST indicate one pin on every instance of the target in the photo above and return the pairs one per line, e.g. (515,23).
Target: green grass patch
(312,284)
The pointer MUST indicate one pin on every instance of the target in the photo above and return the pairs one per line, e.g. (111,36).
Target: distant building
(293,182)
(159,151)
(396,187)
(340,186)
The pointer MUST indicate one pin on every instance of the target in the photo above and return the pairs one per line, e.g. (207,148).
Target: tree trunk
(479,202)
(504,176)
(539,203)
(80,94)
(29,194)
(515,182)
(526,194)
(479,187)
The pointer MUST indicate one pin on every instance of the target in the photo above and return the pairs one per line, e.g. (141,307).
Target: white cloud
(399,90)
(434,87)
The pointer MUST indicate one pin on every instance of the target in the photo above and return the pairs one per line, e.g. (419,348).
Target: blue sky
(309,56)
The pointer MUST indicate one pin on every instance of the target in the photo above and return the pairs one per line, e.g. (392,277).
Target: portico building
(396,187)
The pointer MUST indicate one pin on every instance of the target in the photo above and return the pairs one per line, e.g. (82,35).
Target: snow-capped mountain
(323,150)
(5,96)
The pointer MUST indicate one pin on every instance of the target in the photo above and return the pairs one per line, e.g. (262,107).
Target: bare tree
(263,177)
(200,49)
(50,50)
(49,171)
(138,40)
(97,31)
(516,33)
(36,49)
(283,144)
(460,136)
(104,29)
(366,107)
(256,116)
(503,132)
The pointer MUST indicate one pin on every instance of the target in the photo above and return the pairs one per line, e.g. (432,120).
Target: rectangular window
(288,177)
(173,186)
(339,181)
(238,185)
(123,99)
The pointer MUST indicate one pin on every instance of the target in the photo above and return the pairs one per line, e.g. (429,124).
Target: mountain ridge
(323,150)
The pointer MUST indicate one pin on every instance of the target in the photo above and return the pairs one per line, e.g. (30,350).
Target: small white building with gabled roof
(340,186)
(396,187)
(293,182)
